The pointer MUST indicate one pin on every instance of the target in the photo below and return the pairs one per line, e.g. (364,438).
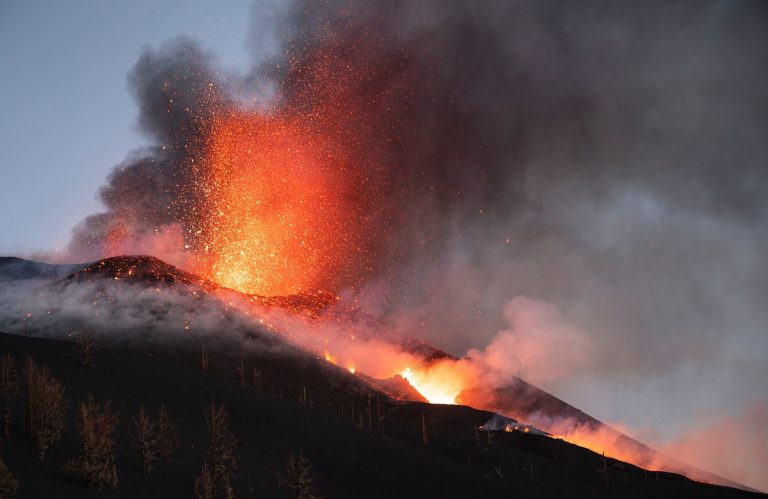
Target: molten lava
(433,386)
(280,217)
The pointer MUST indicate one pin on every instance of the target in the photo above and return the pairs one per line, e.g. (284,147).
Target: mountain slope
(12,268)
(271,422)
(144,304)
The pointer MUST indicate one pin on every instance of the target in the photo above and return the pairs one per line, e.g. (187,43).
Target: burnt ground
(353,456)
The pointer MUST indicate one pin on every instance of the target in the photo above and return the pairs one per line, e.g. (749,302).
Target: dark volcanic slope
(351,457)
(140,269)
(138,321)
(151,271)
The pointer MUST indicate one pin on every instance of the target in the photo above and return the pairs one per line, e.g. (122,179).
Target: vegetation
(218,470)
(46,407)
(86,347)
(9,389)
(298,477)
(8,484)
(167,437)
(96,425)
(144,439)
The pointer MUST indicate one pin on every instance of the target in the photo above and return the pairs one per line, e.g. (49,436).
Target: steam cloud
(539,346)
(608,158)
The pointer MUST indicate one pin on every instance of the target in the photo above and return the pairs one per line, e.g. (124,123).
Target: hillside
(351,458)
(149,316)
(12,268)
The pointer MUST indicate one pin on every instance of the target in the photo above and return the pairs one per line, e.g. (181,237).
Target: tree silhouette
(8,484)
(145,440)
(46,407)
(167,437)
(29,375)
(221,460)
(87,348)
(9,389)
(240,370)
(96,425)
(298,477)
(204,360)
(204,486)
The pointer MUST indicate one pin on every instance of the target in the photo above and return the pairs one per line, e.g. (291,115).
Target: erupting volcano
(444,224)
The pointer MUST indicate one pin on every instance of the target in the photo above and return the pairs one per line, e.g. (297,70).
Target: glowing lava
(435,388)
(279,218)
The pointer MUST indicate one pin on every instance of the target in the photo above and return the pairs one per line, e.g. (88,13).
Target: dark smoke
(606,157)
(177,89)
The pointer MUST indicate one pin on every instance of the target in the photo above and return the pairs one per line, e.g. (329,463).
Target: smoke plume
(606,158)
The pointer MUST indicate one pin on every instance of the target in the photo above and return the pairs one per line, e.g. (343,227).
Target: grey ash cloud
(606,157)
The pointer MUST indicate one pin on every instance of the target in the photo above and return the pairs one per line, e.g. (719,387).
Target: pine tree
(298,477)
(87,348)
(167,437)
(9,389)
(221,460)
(204,486)
(46,407)
(8,484)
(96,425)
(145,440)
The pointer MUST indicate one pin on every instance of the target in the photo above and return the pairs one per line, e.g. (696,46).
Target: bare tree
(87,348)
(221,460)
(240,369)
(257,378)
(96,425)
(145,440)
(9,389)
(167,437)
(298,477)
(29,375)
(46,407)
(204,360)
(204,486)
(8,484)
(51,412)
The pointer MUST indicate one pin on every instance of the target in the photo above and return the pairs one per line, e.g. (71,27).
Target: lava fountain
(280,215)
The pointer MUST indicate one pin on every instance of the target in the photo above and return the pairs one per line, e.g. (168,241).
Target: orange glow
(117,233)
(603,440)
(330,358)
(279,219)
(433,384)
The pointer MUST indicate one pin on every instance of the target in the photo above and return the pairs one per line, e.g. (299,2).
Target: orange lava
(279,217)
(436,391)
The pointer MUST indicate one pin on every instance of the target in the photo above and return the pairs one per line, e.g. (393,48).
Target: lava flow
(436,388)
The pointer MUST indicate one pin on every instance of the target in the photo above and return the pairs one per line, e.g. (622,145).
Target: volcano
(190,313)
(149,271)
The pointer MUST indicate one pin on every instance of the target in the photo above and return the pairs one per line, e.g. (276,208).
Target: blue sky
(67,114)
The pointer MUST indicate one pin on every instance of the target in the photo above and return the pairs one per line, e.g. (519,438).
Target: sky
(67,114)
